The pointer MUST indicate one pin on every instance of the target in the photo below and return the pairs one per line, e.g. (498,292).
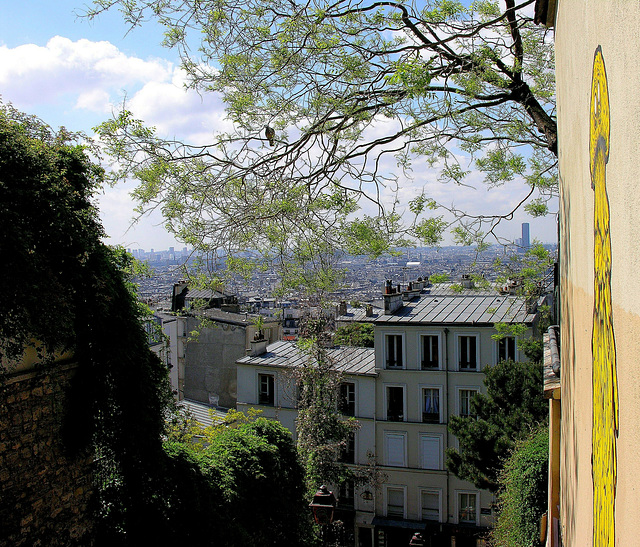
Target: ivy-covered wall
(44,493)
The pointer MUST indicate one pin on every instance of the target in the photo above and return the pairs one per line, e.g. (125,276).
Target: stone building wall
(44,493)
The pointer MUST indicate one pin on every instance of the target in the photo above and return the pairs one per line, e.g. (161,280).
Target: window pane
(395,502)
(393,348)
(395,404)
(429,352)
(265,389)
(467,508)
(395,450)
(348,399)
(467,349)
(430,447)
(430,506)
(431,405)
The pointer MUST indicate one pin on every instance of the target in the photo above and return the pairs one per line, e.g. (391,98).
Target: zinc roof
(346,359)
(465,309)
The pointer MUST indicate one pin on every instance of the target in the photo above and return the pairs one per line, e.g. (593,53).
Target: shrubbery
(523,492)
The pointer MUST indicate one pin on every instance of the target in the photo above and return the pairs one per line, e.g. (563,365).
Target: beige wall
(582,26)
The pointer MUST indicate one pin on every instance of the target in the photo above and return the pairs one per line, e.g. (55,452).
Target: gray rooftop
(442,304)
(349,360)
(474,309)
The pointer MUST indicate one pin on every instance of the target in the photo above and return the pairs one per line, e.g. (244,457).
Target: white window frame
(440,440)
(441,402)
(404,401)
(273,375)
(387,436)
(472,493)
(404,499)
(355,394)
(438,336)
(459,391)
(436,491)
(496,358)
(403,364)
(460,335)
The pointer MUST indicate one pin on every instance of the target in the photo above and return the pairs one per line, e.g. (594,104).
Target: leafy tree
(332,104)
(355,334)
(522,498)
(512,407)
(225,486)
(322,431)
(66,290)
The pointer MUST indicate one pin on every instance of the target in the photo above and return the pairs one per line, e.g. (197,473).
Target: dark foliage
(65,289)
(513,406)
(355,334)
(523,491)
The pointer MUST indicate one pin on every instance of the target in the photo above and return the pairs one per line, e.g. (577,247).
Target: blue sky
(74,72)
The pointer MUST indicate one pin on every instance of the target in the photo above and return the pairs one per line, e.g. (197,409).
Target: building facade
(430,351)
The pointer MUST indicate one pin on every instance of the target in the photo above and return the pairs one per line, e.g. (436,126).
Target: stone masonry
(44,493)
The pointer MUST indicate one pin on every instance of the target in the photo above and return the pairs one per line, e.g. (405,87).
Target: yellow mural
(605,381)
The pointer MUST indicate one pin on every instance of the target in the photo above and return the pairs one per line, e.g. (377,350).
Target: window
(465,397)
(430,451)
(467,352)
(265,389)
(396,448)
(348,398)
(348,451)
(393,351)
(430,352)
(395,502)
(507,349)
(431,405)
(395,403)
(430,504)
(467,507)
(346,497)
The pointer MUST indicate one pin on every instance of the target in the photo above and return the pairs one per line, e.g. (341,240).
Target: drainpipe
(446,416)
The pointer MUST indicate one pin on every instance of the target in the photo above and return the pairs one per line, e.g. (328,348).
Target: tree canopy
(512,407)
(334,106)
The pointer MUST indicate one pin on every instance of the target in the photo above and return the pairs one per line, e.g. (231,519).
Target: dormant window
(393,351)
(395,502)
(468,352)
(507,349)
(265,389)
(430,504)
(395,403)
(430,351)
(348,398)
(431,405)
(465,397)
(467,507)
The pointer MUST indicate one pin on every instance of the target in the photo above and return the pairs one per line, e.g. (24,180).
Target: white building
(430,350)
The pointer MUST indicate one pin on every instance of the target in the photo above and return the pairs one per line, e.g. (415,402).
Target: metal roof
(467,309)
(349,360)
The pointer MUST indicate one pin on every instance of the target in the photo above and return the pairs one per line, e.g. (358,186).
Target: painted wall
(597,72)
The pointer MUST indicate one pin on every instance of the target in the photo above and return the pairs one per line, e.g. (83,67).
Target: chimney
(369,310)
(342,308)
(467,282)
(258,347)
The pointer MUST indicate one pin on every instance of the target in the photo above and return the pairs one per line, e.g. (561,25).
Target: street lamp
(323,505)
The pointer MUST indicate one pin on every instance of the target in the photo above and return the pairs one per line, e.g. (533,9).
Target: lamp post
(323,506)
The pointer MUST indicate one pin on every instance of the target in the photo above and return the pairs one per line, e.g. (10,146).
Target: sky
(73,72)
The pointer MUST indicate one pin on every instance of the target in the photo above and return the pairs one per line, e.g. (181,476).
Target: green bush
(522,497)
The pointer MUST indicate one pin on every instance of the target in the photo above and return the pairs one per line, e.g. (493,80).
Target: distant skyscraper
(526,242)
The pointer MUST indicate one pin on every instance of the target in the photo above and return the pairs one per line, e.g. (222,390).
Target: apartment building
(431,345)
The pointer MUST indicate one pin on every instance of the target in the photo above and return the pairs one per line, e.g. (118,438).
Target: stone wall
(44,493)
